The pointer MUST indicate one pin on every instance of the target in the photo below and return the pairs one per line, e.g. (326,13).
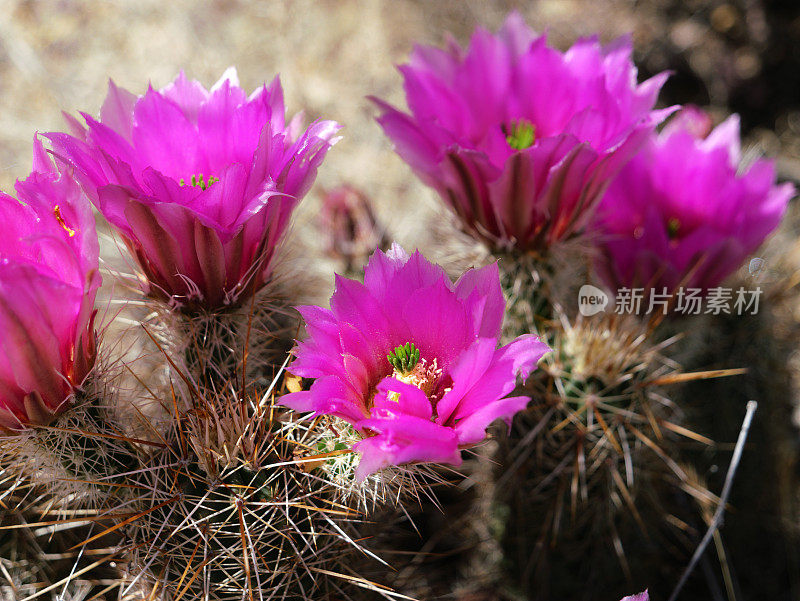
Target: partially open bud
(349,224)
(49,276)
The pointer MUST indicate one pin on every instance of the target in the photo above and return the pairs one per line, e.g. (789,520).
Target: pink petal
(187,93)
(396,396)
(164,138)
(472,429)
(404,439)
(117,110)
(480,290)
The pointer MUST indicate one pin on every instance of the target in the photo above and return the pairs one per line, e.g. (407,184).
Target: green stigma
(673,225)
(404,357)
(199,181)
(521,134)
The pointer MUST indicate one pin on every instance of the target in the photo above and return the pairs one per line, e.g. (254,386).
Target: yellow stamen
(61,222)
(423,375)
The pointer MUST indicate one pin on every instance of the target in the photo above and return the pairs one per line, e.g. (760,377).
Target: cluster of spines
(65,483)
(596,456)
(239,501)
(219,492)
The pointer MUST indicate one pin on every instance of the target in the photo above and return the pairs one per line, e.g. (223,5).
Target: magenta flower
(640,597)
(683,212)
(48,280)
(411,360)
(201,184)
(519,139)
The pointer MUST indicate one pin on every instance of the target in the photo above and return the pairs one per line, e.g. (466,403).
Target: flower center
(199,181)
(61,222)
(404,357)
(409,368)
(424,376)
(521,134)
(673,225)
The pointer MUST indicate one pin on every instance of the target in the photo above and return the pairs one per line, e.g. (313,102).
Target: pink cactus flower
(520,140)
(640,597)
(684,212)
(49,276)
(200,183)
(411,360)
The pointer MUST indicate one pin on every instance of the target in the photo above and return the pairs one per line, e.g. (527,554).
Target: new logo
(591,300)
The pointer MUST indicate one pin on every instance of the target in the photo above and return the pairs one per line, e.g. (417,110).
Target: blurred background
(57,55)
(728,56)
